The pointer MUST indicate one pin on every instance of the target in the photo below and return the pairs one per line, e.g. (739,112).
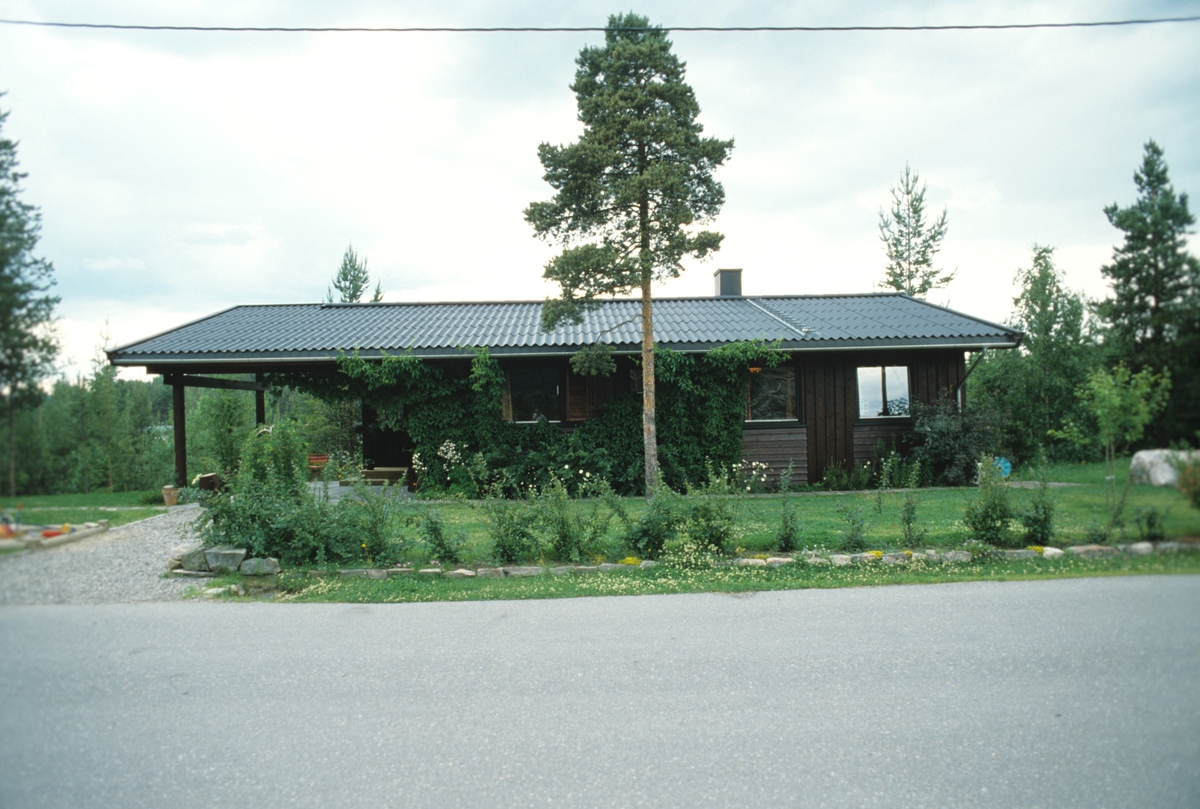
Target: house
(853,365)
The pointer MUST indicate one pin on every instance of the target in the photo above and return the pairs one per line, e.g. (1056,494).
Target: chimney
(728,283)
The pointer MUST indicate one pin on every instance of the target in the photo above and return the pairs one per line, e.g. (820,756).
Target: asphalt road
(1032,694)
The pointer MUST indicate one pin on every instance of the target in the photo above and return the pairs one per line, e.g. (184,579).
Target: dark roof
(316,332)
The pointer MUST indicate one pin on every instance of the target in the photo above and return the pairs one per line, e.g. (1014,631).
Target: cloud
(181,174)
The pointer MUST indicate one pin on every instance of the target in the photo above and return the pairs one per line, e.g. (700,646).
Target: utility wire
(592,29)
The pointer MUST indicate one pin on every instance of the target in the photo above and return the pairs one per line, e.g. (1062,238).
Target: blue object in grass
(1004,467)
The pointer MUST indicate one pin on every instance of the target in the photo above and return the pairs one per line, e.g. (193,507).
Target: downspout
(960,392)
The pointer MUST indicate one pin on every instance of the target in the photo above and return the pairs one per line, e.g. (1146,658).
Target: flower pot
(171,495)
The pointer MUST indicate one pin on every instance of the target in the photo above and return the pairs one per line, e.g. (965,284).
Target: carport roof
(287,333)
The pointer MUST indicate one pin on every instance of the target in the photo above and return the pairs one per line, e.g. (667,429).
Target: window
(535,394)
(882,391)
(771,394)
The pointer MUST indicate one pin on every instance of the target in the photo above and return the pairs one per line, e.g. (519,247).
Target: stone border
(197,562)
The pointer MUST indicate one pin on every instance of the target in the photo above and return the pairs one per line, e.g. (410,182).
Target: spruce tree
(631,190)
(1153,315)
(27,341)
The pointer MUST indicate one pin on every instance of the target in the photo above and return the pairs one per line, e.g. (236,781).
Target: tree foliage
(629,192)
(1153,315)
(28,344)
(1034,385)
(910,243)
(352,280)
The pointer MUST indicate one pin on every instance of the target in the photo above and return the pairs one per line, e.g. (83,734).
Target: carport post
(260,403)
(180,435)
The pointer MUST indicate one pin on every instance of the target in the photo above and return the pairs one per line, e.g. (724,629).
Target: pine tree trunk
(12,450)
(649,429)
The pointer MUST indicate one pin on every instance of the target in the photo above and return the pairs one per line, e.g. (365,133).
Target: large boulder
(1156,467)
(224,559)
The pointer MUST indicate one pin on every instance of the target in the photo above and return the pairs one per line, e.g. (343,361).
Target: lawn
(940,511)
(118,508)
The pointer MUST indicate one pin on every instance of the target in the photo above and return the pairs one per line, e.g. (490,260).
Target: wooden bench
(391,475)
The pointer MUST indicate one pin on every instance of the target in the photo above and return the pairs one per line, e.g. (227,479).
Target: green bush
(949,441)
(1151,524)
(913,534)
(838,478)
(1038,518)
(444,546)
(989,514)
(510,529)
(854,534)
(576,529)
(657,526)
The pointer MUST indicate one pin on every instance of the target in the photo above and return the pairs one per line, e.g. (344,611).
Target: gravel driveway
(119,566)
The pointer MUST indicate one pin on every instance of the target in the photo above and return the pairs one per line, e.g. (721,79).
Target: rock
(459,573)
(236,590)
(647,564)
(1170,547)
(213,592)
(1141,548)
(895,558)
(178,551)
(399,571)
(260,567)
(430,571)
(194,560)
(815,560)
(193,574)
(839,559)
(1091,551)
(862,558)
(933,557)
(776,561)
(1153,466)
(586,569)
(1022,554)
(376,574)
(609,567)
(350,573)
(562,570)
(490,573)
(523,572)
(174,564)
(1051,553)
(749,562)
(224,559)
(956,556)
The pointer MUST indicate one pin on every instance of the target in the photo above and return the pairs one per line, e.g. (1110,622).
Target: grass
(939,513)
(664,580)
(119,508)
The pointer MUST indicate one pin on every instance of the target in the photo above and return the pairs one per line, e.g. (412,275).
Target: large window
(535,394)
(771,394)
(882,391)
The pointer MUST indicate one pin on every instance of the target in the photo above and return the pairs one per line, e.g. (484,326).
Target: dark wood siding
(777,447)
(829,385)
(868,433)
(577,404)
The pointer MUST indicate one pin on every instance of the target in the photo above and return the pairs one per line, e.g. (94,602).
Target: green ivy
(700,410)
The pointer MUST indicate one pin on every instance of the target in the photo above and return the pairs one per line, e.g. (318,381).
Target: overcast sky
(182,173)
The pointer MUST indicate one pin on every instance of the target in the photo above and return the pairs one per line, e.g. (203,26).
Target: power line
(594,29)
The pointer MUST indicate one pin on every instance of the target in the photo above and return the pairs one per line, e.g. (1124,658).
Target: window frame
(560,384)
(795,398)
(883,392)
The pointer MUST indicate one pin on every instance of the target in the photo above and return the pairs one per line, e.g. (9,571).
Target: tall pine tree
(631,189)
(27,341)
(1153,316)
(911,243)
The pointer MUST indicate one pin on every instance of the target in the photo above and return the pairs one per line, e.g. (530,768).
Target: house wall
(829,392)
(777,447)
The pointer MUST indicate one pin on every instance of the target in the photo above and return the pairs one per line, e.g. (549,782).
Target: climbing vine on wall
(700,410)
